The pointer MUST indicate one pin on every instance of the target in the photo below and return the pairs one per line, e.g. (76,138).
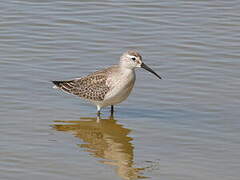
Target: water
(183,127)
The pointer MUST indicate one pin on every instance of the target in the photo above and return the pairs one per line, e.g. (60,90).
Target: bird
(109,86)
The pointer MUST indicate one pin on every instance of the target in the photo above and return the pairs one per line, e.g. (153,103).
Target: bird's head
(132,59)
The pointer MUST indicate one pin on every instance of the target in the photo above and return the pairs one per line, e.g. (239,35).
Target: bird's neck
(126,70)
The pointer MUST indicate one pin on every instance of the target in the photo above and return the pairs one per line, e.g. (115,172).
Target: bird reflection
(105,139)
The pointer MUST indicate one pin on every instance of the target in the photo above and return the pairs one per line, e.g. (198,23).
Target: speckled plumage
(109,86)
(92,87)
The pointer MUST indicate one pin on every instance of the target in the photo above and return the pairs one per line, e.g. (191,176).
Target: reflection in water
(107,140)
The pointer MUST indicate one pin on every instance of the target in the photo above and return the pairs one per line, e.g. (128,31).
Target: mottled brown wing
(92,87)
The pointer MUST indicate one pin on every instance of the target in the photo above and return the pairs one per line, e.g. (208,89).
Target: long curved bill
(144,66)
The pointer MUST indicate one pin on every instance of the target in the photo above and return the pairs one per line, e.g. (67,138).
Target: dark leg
(98,116)
(112,109)
(98,113)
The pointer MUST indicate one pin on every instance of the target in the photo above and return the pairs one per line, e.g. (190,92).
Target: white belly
(121,86)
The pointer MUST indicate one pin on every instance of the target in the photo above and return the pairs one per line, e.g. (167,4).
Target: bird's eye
(133,58)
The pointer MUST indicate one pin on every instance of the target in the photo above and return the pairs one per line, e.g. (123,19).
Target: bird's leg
(111,117)
(98,111)
(112,109)
(98,117)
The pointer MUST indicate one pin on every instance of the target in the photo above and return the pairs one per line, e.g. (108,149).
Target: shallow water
(185,126)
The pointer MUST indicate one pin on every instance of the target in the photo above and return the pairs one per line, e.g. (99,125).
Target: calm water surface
(183,127)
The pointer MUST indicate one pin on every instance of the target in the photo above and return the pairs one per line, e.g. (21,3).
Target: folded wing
(92,87)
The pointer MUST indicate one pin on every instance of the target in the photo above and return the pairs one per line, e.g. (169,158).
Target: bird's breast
(121,85)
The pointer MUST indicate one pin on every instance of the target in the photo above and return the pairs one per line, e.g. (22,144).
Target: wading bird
(109,86)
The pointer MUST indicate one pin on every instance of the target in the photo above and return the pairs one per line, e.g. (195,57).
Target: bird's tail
(64,85)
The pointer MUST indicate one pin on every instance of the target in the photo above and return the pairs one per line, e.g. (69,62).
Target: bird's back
(92,87)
